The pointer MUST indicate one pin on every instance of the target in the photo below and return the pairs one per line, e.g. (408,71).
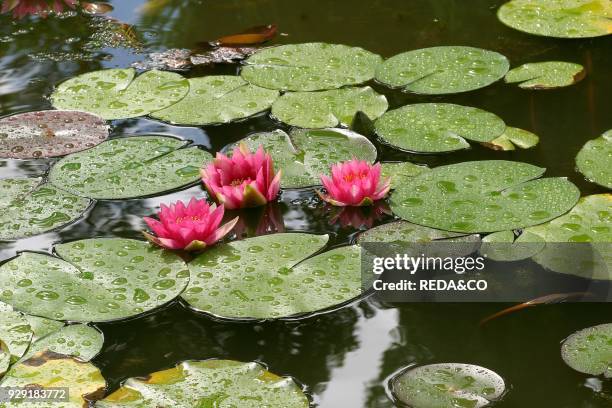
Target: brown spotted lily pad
(49,133)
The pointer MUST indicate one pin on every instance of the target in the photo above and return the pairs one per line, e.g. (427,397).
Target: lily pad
(49,133)
(217,99)
(77,340)
(94,280)
(305,154)
(593,160)
(483,196)
(328,108)
(400,172)
(269,277)
(513,137)
(310,67)
(590,350)
(505,246)
(29,207)
(130,167)
(15,333)
(447,385)
(117,94)
(210,383)
(559,18)
(546,75)
(443,70)
(42,327)
(437,127)
(403,231)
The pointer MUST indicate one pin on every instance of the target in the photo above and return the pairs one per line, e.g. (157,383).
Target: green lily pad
(95,280)
(449,385)
(513,137)
(310,67)
(437,127)
(483,196)
(504,246)
(217,99)
(559,18)
(15,333)
(546,75)
(328,108)
(305,154)
(118,94)
(130,167)
(210,383)
(589,350)
(269,277)
(400,172)
(29,207)
(5,359)
(443,70)
(593,160)
(42,327)
(77,340)
(49,133)
(403,231)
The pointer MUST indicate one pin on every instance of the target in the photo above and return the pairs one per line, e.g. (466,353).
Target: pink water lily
(192,227)
(243,180)
(354,183)
(22,8)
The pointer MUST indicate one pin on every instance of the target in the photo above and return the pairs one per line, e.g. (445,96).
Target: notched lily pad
(447,385)
(483,196)
(130,167)
(93,280)
(15,334)
(29,207)
(117,94)
(305,154)
(77,340)
(210,383)
(593,160)
(512,138)
(403,231)
(217,99)
(546,75)
(273,276)
(437,127)
(310,67)
(328,108)
(443,70)
(506,247)
(590,350)
(49,133)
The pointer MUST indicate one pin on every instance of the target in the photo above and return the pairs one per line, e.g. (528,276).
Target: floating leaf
(305,154)
(559,18)
(42,327)
(310,67)
(253,35)
(116,94)
(210,383)
(15,333)
(95,280)
(402,231)
(77,340)
(328,108)
(546,75)
(502,246)
(593,160)
(513,137)
(130,167)
(590,350)
(49,133)
(5,359)
(29,207)
(443,70)
(449,385)
(400,172)
(483,196)
(437,127)
(267,277)
(218,99)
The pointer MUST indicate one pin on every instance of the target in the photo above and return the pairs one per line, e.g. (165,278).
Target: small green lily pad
(310,67)
(558,18)
(403,231)
(400,172)
(506,247)
(15,333)
(217,99)
(483,196)
(94,280)
(513,137)
(130,167)
(42,327)
(305,154)
(328,108)
(589,350)
(546,75)
(77,340)
(448,385)
(270,277)
(117,94)
(443,70)
(593,160)
(437,127)
(210,383)
(29,207)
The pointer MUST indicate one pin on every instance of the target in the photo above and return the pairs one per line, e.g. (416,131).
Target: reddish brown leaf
(253,35)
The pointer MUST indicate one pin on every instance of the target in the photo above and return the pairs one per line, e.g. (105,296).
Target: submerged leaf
(589,350)
(253,35)
(222,55)
(593,160)
(174,59)
(546,75)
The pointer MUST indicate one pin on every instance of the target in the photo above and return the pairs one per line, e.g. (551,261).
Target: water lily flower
(244,180)
(354,183)
(22,8)
(192,227)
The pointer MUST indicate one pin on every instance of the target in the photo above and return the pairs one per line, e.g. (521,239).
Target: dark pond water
(343,357)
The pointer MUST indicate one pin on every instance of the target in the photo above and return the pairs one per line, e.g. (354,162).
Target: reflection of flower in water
(22,8)
(358,217)
(259,221)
